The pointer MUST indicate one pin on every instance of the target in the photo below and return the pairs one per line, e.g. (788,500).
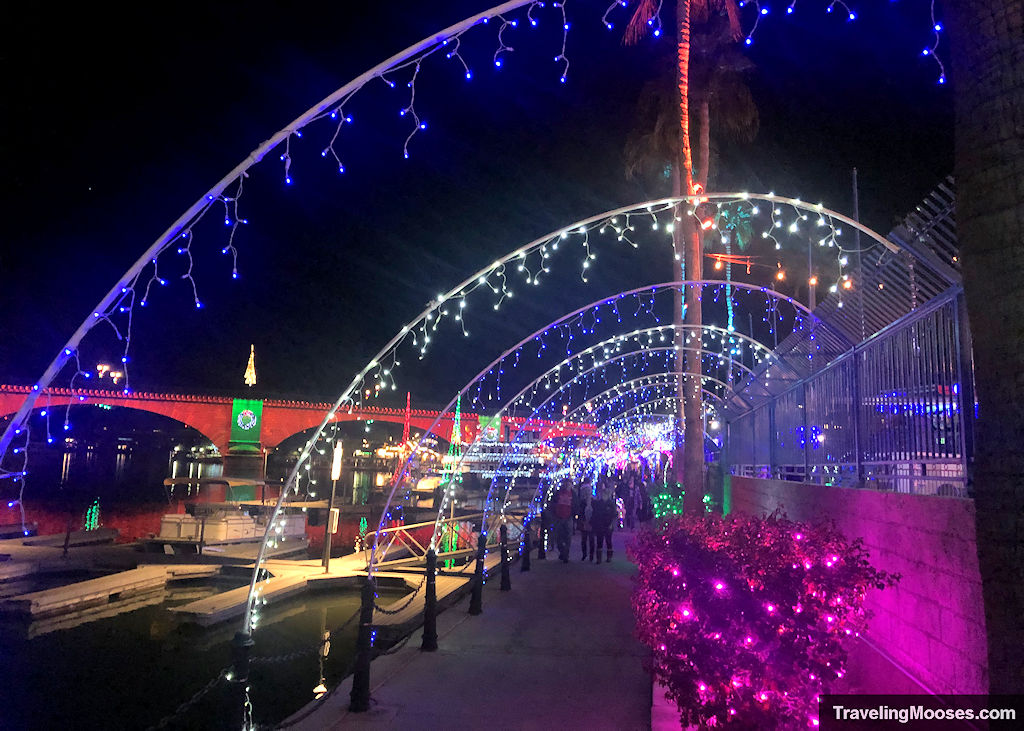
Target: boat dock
(400,564)
(291,577)
(103,590)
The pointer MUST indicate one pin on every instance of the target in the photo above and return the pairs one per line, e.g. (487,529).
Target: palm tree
(988,68)
(691,175)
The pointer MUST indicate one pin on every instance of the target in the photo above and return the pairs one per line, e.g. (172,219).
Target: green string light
(92,515)
(667,502)
(450,477)
(670,502)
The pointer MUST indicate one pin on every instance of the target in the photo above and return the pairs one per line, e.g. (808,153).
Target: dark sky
(116,119)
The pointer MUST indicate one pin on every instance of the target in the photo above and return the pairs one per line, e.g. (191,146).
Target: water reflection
(195,468)
(65,468)
(142,662)
(130,662)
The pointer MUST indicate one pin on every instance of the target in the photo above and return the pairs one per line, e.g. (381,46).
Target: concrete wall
(933,623)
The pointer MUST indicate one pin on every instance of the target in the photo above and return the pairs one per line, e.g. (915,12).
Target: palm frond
(639,24)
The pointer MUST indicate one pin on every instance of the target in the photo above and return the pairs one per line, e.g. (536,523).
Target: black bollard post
(476,601)
(430,605)
(527,545)
(360,695)
(240,648)
(542,553)
(506,580)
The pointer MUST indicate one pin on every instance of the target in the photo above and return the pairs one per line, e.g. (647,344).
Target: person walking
(602,517)
(631,501)
(563,519)
(583,518)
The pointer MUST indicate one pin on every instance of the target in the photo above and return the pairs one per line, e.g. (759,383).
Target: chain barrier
(407,601)
(279,659)
(184,707)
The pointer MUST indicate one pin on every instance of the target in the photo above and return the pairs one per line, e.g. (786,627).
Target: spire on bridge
(250,369)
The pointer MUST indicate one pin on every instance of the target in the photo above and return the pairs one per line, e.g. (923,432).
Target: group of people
(594,509)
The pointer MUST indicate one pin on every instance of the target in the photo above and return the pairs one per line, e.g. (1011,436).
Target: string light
(721,661)
(182,237)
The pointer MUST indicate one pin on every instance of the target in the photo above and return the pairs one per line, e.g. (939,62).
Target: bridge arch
(210,419)
(288,421)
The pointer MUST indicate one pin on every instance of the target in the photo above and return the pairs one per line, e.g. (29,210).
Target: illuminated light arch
(601,436)
(582,227)
(673,377)
(648,290)
(570,416)
(216,194)
(661,374)
(123,291)
(636,334)
(611,360)
(538,499)
(595,368)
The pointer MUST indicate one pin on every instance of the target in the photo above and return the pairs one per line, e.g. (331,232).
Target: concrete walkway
(557,651)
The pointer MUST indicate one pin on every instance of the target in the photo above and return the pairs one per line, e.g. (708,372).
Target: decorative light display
(451,477)
(92,516)
(532,261)
(648,14)
(667,502)
(572,379)
(749,619)
(249,378)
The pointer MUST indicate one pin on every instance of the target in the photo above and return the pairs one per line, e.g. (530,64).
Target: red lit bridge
(211,416)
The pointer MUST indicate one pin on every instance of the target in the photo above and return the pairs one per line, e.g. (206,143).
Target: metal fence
(893,413)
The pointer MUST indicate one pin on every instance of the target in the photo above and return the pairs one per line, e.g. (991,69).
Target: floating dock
(291,577)
(94,592)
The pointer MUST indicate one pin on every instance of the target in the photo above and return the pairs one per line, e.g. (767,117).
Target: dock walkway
(560,642)
(102,590)
(291,577)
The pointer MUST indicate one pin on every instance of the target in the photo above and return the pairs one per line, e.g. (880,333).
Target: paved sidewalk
(557,651)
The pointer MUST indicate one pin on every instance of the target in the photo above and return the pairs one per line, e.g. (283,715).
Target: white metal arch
(317,111)
(665,286)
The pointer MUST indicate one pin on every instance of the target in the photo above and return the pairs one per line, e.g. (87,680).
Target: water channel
(130,664)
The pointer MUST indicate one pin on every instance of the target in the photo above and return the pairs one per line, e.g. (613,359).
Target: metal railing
(893,413)
(407,545)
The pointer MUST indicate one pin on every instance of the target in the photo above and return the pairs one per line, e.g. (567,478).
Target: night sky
(117,119)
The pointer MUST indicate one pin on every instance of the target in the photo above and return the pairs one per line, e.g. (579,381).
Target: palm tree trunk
(679,340)
(693,406)
(689,385)
(683,56)
(682,183)
(989,163)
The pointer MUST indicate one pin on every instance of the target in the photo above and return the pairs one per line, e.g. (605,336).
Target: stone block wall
(933,623)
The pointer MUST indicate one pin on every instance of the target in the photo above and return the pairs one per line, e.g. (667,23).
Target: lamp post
(335,474)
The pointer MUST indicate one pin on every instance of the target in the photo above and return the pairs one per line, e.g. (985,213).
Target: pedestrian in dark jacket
(583,518)
(563,519)
(602,517)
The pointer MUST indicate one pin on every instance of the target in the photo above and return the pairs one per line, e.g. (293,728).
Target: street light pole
(335,474)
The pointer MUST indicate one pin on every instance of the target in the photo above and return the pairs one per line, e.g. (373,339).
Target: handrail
(401,534)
